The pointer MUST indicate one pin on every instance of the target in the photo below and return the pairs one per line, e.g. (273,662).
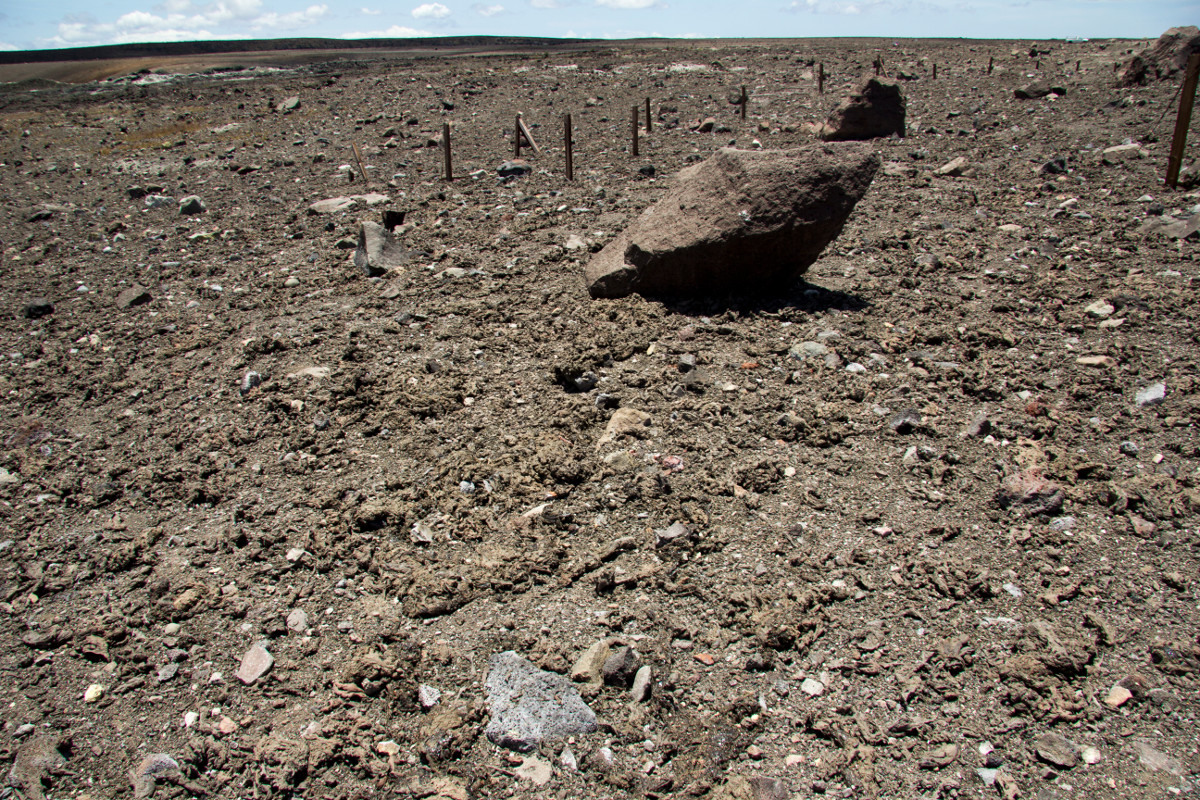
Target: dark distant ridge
(158,49)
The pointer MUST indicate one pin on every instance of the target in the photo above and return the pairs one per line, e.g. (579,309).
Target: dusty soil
(933,544)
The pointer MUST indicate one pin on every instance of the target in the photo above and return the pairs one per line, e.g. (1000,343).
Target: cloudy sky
(72,23)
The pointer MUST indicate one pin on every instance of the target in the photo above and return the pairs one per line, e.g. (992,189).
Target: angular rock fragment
(1057,751)
(37,758)
(36,309)
(1032,91)
(378,250)
(135,295)
(1168,56)
(516,168)
(529,705)
(152,769)
(192,205)
(875,111)
(741,220)
(1030,493)
(1155,760)
(624,422)
(255,664)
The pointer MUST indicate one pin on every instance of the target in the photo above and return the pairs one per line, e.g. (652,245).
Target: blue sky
(71,23)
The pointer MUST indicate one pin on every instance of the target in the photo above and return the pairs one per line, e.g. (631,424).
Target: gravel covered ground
(924,526)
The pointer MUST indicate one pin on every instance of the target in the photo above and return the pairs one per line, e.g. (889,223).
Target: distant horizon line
(227,44)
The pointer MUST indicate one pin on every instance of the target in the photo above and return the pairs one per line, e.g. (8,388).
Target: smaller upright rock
(192,205)
(876,111)
(1151,395)
(37,308)
(621,666)
(255,664)
(135,295)
(590,664)
(642,684)
(297,620)
(378,250)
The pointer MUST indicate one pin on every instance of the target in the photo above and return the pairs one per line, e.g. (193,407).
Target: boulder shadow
(798,297)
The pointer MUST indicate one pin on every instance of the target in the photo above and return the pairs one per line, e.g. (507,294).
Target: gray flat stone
(529,705)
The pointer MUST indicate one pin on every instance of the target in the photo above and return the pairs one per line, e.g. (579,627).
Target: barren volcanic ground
(924,526)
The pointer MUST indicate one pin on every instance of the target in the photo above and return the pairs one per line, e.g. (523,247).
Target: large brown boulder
(875,111)
(1168,56)
(740,221)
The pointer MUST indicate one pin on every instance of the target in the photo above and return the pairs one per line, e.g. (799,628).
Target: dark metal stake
(820,79)
(633,128)
(935,70)
(649,124)
(744,101)
(569,145)
(1187,98)
(991,63)
(446,150)
(517,138)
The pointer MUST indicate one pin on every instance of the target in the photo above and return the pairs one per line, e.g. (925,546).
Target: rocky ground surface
(923,526)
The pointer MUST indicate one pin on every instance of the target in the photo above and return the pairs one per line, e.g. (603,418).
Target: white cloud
(183,20)
(7,46)
(430,11)
(371,12)
(487,11)
(394,32)
(545,3)
(296,19)
(627,4)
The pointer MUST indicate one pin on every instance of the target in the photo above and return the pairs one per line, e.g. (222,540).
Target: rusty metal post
(991,63)
(517,138)
(633,129)
(935,70)
(446,150)
(744,101)
(649,124)
(569,146)
(1187,98)
(820,79)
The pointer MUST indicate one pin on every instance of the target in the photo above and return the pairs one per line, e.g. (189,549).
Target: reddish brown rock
(739,221)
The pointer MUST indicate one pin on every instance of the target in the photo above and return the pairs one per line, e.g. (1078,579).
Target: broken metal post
(446,150)
(523,132)
(1187,97)
(362,170)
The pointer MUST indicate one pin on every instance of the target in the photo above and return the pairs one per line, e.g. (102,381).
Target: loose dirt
(923,526)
